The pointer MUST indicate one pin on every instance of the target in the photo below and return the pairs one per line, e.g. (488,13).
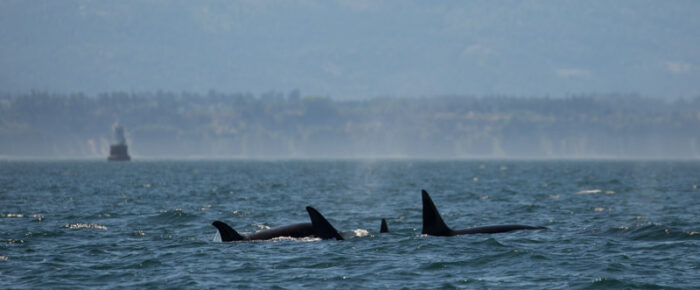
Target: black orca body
(434,226)
(318,227)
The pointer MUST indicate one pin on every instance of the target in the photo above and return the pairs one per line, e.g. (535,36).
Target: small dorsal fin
(226,232)
(383,228)
(322,227)
(432,222)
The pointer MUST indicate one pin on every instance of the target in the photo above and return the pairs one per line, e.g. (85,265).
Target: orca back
(432,221)
(322,228)
(434,225)
(495,229)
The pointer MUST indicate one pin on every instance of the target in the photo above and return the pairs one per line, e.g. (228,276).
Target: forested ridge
(280,125)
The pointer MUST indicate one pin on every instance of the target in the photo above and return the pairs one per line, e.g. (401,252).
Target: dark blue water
(615,224)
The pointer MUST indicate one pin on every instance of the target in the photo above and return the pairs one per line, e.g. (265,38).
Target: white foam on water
(360,232)
(304,239)
(589,191)
(262,227)
(13,215)
(85,226)
(37,217)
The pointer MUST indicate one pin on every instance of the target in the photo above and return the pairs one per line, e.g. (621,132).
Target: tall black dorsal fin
(432,222)
(322,227)
(383,228)
(227,233)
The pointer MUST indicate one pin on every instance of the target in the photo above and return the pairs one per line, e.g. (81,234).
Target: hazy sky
(353,49)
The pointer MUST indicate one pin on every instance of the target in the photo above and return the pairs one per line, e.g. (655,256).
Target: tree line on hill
(289,125)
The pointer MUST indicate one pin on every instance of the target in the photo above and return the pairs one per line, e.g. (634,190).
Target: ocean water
(147,224)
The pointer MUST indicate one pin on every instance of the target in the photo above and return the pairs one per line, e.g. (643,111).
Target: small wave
(274,185)
(491,242)
(494,256)
(613,283)
(444,265)
(608,282)
(145,264)
(589,191)
(15,241)
(174,214)
(595,191)
(85,226)
(37,217)
(654,232)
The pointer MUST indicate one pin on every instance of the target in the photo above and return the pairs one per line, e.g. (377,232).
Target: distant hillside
(287,125)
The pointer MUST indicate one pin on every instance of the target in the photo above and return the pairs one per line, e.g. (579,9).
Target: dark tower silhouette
(119,150)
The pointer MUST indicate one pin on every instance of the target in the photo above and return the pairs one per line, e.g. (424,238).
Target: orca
(434,226)
(383,228)
(318,227)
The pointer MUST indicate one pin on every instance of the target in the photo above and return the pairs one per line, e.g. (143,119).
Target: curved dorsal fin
(383,228)
(432,222)
(322,227)
(226,232)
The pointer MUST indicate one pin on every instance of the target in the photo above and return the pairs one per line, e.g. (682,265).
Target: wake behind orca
(318,227)
(434,226)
